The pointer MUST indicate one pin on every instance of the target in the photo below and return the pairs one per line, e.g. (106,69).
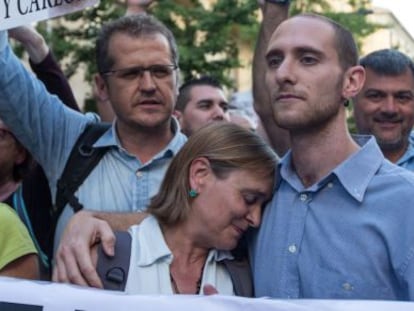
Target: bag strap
(113,271)
(239,269)
(82,160)
(240,273)
(20,207)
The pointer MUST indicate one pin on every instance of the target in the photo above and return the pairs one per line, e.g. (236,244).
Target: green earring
(192,193)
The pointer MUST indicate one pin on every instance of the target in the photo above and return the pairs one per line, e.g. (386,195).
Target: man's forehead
(206,91)
(405,77)
(302,27)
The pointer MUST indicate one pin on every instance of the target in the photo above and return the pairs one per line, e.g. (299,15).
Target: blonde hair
(228,147)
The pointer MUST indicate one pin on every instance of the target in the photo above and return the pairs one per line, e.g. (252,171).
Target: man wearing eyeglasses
(137,60)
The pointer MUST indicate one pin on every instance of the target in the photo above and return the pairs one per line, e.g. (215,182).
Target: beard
(392,145)
(309,113)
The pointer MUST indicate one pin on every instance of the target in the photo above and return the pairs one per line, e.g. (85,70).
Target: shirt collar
(153,247)
(355,173)
(409,153)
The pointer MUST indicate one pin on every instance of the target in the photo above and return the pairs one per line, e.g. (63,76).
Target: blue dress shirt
(407,160)
(349,236)
(48,129)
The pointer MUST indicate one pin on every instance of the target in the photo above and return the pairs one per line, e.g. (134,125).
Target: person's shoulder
(11,227)
(395,175)
(148,223)
(8,215)
(179,139)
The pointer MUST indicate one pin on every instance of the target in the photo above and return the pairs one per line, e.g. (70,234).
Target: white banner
(15,13)
(26,295)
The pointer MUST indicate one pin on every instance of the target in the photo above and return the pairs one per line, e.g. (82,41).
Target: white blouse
(149,271)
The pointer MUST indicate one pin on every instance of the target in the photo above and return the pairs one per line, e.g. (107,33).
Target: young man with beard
(340,222)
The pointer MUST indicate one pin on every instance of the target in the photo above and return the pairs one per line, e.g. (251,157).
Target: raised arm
(44,64)
(273,15)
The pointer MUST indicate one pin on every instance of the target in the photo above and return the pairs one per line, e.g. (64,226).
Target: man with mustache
(385,106)
(137,60)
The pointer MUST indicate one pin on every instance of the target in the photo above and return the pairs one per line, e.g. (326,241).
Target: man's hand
(76,257)
(32,41)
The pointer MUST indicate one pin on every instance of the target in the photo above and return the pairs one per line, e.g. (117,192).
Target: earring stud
(192,193)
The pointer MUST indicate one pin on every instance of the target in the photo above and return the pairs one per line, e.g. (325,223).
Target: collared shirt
(407,160)
(149,270)
(349,236)
(48,129)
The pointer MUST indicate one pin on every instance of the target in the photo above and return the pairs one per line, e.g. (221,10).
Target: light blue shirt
(349,236)
(48,129)
(149,269)
(407,160)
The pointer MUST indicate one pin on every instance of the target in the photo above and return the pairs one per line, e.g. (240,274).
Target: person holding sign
(138,73)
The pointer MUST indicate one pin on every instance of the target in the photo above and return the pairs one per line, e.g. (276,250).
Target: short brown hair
(136,26)
(228,147)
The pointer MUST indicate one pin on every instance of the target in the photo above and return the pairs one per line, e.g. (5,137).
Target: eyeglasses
(156,71)
(5,133)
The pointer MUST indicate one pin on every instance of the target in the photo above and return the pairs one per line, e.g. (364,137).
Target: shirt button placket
(347,287)
(292,248)
(303,197)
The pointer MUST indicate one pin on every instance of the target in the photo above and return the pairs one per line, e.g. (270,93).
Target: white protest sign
(24,295)
(15,13)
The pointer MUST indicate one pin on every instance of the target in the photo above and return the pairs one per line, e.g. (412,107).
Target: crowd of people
(305,210)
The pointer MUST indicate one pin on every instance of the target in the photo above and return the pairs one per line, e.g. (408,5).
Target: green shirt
(15,240)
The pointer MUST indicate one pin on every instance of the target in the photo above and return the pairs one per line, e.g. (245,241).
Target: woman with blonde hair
(212,193)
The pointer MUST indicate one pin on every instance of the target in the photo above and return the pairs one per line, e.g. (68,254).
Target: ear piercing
(192,193)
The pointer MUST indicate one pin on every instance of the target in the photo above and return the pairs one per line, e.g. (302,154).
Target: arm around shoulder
(75,259)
